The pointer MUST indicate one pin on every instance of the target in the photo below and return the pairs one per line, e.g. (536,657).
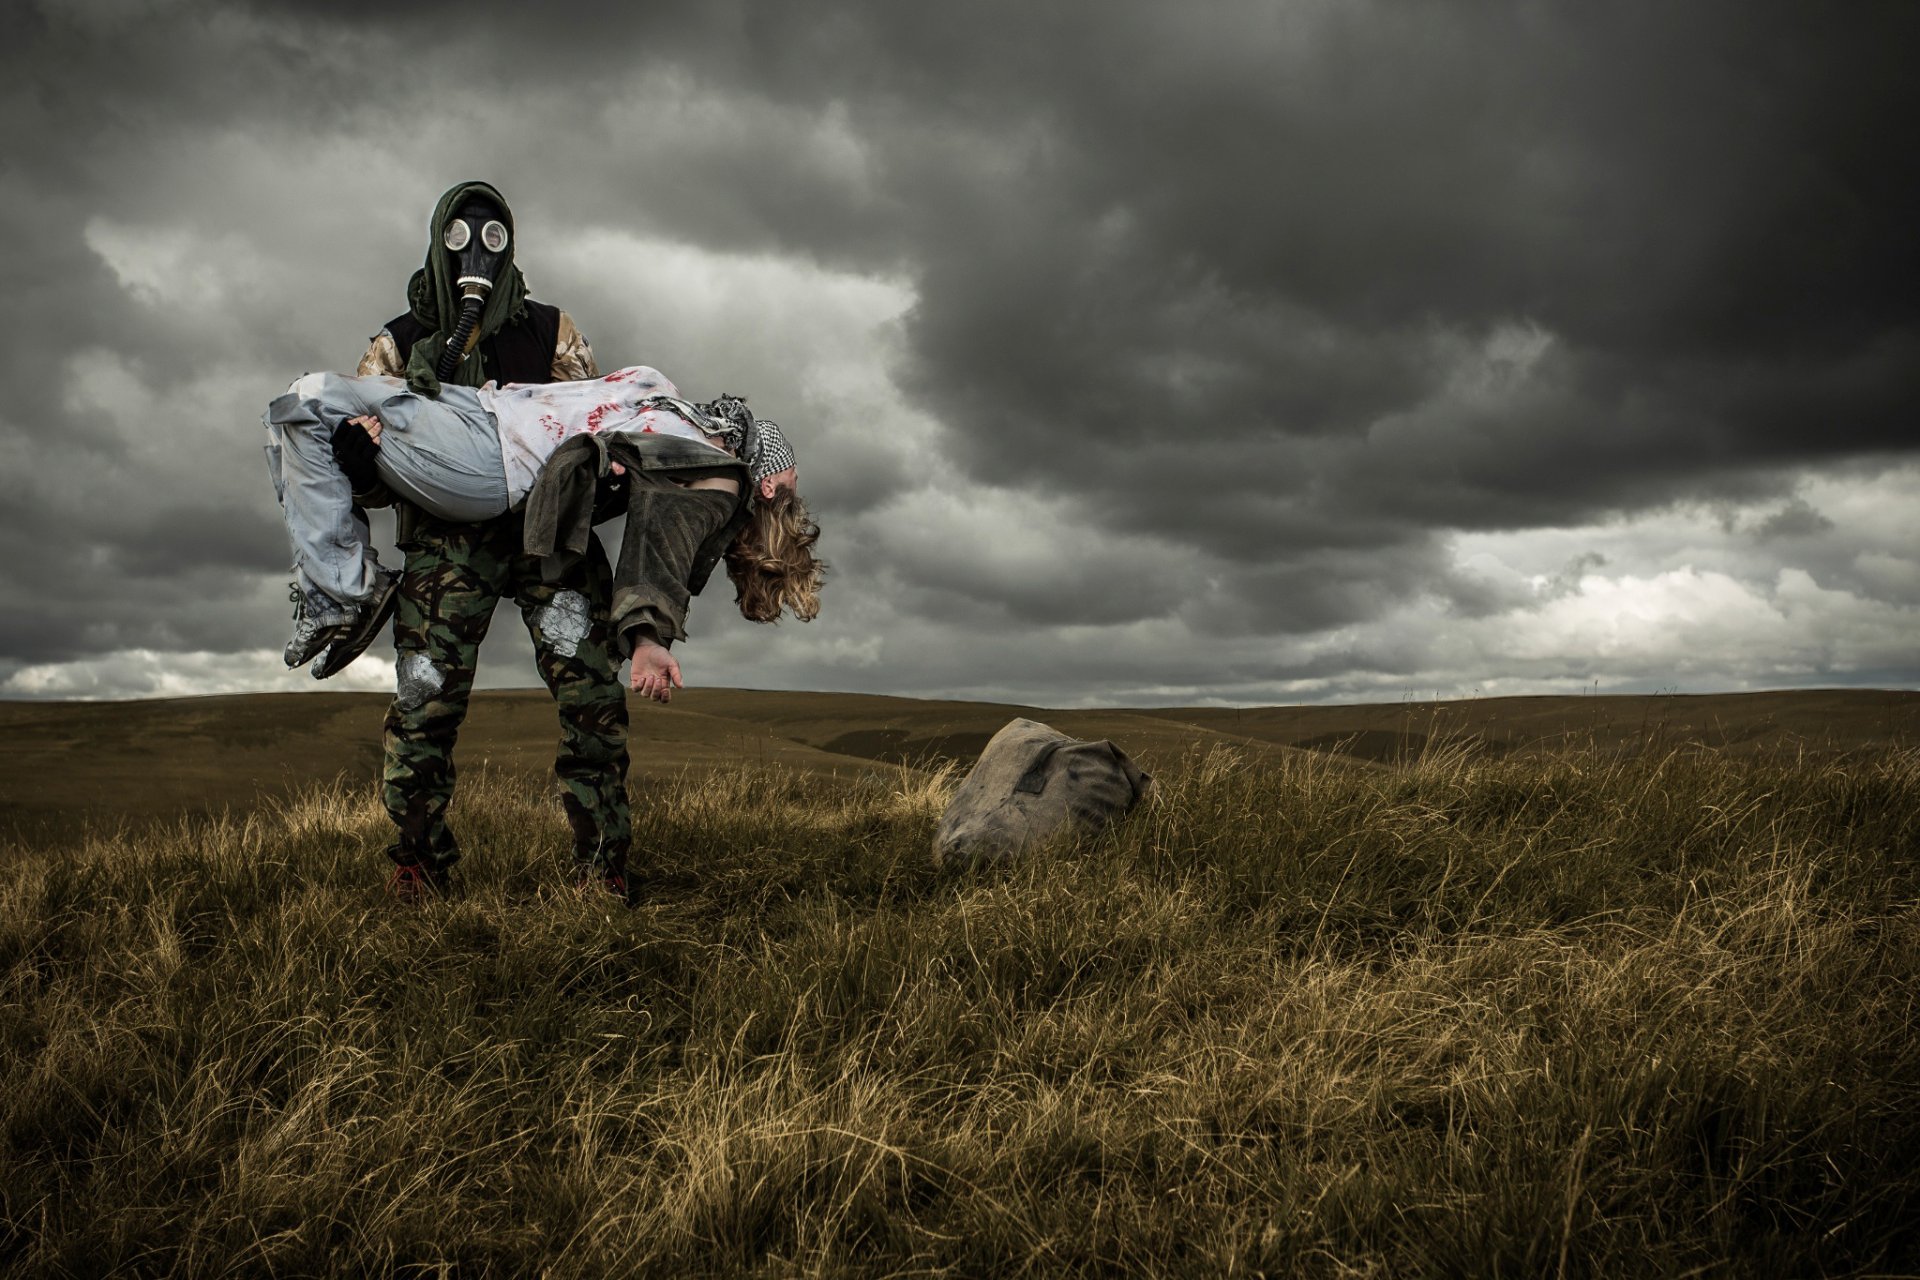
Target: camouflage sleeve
(382,358)
(572,355)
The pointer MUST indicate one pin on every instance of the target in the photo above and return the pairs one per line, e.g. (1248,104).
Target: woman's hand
(655,674)
(356,446)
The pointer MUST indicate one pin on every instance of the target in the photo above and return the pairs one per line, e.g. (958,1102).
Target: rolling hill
(64,765)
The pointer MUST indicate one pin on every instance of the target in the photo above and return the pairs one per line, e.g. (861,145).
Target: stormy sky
(1134,352)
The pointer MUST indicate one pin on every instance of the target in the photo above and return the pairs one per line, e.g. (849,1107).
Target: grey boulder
(1032,782)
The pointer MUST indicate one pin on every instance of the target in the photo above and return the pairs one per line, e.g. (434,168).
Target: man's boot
(420,877)
(599,871)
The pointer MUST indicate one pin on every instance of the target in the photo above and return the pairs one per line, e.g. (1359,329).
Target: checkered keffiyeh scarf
(726,420)
(771,452)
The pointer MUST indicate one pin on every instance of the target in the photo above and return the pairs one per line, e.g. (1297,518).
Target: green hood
(435,301)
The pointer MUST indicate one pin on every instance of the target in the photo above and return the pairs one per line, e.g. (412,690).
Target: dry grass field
(1585,987)
(65,767)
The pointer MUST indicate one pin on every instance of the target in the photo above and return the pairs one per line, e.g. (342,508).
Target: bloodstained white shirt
(537,417)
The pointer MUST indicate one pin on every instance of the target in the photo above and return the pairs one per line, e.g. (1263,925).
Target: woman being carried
(700,482)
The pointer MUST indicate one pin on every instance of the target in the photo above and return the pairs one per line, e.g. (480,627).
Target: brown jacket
(674,535)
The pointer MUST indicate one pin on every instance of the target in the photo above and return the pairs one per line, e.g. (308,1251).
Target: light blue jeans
(443,455)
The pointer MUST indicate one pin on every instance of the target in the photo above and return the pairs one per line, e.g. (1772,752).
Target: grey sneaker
(309,636)
(353,637)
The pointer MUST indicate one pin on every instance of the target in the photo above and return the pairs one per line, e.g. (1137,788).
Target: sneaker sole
(315,647)
(353,641)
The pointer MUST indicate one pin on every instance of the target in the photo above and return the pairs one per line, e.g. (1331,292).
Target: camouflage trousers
(455,575)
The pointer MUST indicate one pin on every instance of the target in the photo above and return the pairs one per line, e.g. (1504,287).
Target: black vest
(520,352)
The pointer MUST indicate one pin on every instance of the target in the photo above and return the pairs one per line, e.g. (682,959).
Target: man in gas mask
(469,321)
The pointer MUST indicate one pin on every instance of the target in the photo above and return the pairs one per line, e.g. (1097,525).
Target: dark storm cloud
(1251,229)
(1679,195)
(1274,297)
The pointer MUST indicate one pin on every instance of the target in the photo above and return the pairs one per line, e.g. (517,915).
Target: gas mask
(477,237)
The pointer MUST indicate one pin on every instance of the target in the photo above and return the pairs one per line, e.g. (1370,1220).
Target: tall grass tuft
(1584,1015)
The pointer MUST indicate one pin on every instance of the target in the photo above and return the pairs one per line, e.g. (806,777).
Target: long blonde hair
(772,562)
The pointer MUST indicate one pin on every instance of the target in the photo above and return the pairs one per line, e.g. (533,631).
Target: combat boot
(417,879)
(592,878)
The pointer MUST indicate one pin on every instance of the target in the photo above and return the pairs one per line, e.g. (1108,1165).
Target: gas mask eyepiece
(459,234)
